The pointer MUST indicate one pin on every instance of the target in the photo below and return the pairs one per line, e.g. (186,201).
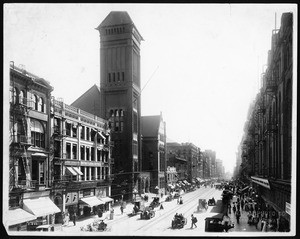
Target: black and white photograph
(169,120)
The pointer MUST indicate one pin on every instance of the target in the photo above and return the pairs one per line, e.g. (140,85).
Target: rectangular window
(93,154)
(118,76)
(74,151)
(116,126)
(37,139)
(109,78)
(123,76)
(68,129)
(74,131)
(68,150)
(98,154)
(87,133)
(87,151)
(135,123)
(121,126)
(82,152)
(82,132)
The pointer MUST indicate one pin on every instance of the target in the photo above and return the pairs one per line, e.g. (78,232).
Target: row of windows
(86,153)
(115,30)
(116,77)
(86,133)
(36,102)
(94,173)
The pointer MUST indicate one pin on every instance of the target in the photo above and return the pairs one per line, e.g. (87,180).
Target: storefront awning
(71,171)
(18,215)
(39,155)
(40,206)
(77,171)
(106,199)
(91,201)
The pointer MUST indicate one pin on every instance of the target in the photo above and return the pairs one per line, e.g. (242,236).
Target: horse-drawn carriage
(202,205)
(147,213)
(155,202)
(178,222)
(137,207)
(96,226)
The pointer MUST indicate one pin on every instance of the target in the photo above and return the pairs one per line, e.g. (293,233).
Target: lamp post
(123,192)
(157,188)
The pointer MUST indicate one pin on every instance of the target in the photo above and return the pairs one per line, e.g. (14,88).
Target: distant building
(176,159)
(154,151)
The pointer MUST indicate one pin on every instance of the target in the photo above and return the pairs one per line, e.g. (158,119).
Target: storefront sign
(261,181)
(288,208)
(36,194)
(71,198)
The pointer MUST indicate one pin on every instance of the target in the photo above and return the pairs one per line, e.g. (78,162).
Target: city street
(161,223)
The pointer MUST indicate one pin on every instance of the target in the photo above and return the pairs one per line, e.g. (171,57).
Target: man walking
(74,218)
(238,215)
(194,220)
(121,209)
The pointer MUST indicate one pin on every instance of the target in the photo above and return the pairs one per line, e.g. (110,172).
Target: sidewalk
(243,225)
(106,216)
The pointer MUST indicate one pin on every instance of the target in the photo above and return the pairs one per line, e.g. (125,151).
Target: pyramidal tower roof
(116,18)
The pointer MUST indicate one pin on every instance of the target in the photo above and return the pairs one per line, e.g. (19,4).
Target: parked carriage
(179,221)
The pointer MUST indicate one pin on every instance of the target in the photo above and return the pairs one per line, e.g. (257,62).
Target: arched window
(116,113)
(121,112)
(15,94)
(41,104)
(22,97)
(35,102)
(111,113)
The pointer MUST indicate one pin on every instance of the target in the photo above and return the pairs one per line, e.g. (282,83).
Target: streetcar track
(173,211)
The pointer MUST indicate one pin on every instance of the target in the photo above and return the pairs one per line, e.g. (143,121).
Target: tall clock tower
(120,90)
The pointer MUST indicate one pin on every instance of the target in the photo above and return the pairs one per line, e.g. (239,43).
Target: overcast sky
(203,61)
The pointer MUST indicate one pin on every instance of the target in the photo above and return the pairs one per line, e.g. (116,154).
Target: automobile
(215,224)
(179,221)
(211,202)
(45,228)
(147,213)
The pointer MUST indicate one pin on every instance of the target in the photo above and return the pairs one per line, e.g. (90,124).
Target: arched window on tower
(117,113)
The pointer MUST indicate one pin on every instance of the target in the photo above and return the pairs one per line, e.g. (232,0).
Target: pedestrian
(251,209)
(246,206)
(161,206)
(262,223)
(121,208)
(234,208)
(194,220)
(238,206)
(238,215)
(242,204)
(67,218)
(255,220)
(74,218)
(250,217)
(226,222)
(229,208)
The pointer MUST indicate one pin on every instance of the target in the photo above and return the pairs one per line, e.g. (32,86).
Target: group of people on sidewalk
(255,213)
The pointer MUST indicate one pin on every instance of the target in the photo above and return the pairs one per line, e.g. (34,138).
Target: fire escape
(19,143)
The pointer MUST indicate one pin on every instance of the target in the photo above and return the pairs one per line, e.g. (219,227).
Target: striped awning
(71,171)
